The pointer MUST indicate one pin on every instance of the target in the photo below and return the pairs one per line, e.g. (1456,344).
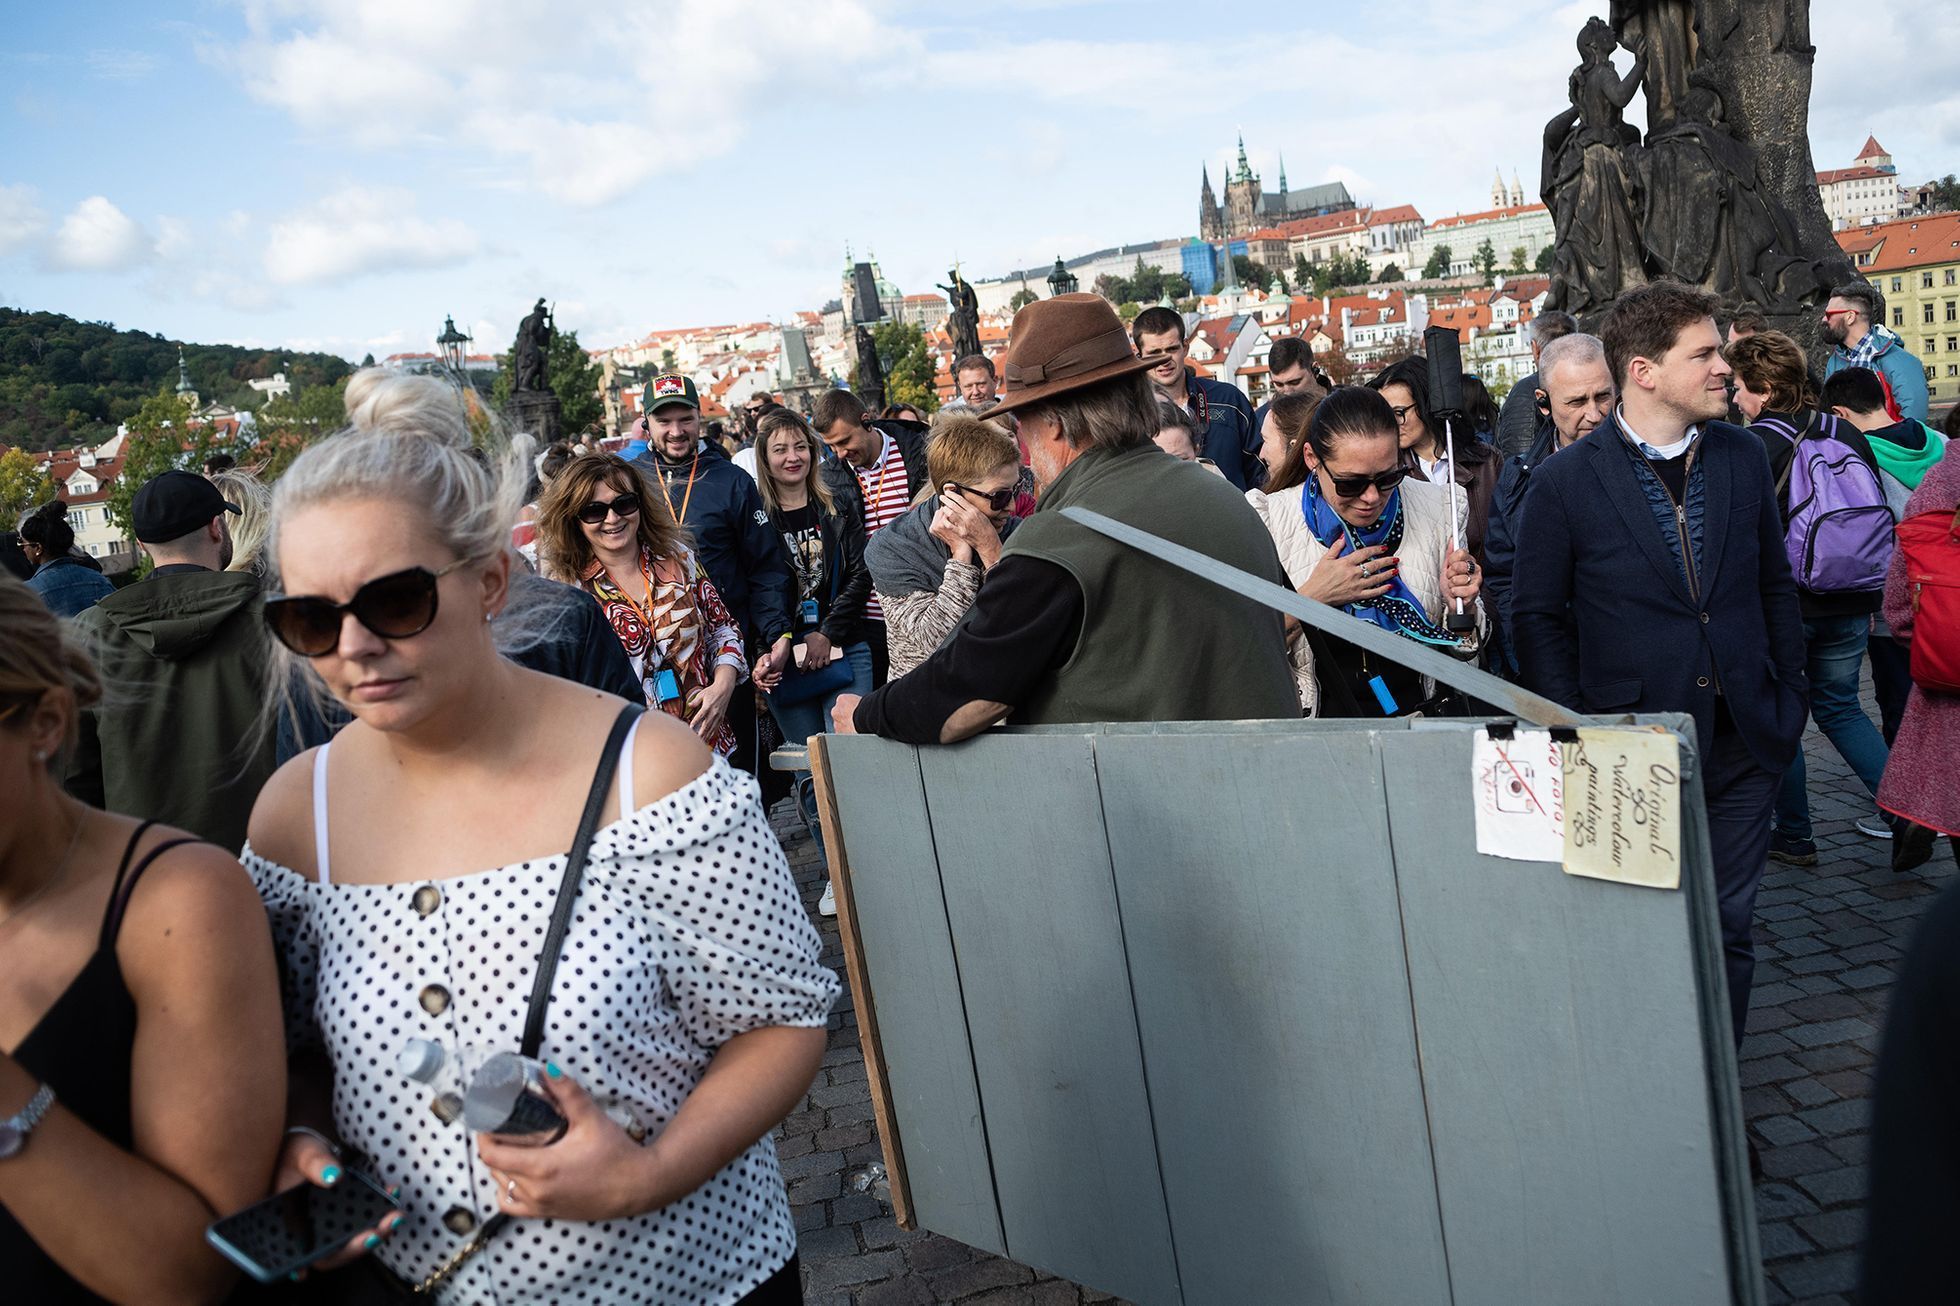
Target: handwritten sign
(1623,807)
(1520,796)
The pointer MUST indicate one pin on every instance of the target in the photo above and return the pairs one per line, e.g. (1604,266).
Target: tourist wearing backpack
(1838,535)
(1905,449)
(1922,601)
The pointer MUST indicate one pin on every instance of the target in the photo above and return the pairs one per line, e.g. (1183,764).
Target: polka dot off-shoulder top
(688,931)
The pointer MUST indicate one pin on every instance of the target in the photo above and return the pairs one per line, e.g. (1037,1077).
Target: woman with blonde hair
(420,884)
(143,1089)
(603,528)
(248,528)
(927,565)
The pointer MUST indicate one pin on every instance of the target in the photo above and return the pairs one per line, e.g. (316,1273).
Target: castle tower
(1497,193)
(1241,198)
(1517,190)
(185,390)
(1210,225)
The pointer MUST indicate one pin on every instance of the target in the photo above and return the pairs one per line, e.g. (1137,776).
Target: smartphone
(291,1230)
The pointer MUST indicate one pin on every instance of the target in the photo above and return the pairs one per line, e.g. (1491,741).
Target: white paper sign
(1625,787)
(1520,796)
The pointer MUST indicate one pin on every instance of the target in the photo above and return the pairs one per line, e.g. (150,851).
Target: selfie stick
(1446,399)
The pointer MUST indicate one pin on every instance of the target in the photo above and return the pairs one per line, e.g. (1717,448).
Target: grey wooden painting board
(1271,990)
(908,953)
(1570,1167)
(1029,891)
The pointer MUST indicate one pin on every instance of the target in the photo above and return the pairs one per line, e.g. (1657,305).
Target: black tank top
(82,1047)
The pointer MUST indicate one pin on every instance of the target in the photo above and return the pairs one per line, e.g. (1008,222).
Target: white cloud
(21,220)
(359,230)
(587,102)
(96,236)
(122,65)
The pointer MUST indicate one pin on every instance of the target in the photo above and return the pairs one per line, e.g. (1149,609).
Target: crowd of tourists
(302,799)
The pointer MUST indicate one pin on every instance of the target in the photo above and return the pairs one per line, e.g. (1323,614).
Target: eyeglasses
(998,500)
(626,505)
(1353,487)
(1401,412)
(396,606)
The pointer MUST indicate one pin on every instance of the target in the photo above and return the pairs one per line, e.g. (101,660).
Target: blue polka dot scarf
(1398,610)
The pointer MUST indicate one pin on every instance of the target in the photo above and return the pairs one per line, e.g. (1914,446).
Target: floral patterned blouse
(686,629)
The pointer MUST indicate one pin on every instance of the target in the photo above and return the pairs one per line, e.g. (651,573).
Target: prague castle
(1248,207)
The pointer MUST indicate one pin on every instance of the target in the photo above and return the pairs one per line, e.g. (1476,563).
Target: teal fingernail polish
(373,1241)
(330,1175)
(551,1068)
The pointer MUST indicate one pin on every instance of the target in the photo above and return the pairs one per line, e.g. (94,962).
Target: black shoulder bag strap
(554,942)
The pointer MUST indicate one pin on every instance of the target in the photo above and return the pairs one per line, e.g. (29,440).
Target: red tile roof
(1910,243)
(1871,148)
(1488,215)
(1400,213)
(1834,175)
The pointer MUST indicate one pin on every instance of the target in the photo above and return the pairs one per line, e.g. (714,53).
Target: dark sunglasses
(998,500)
(395,606)
(595,512)
(1353,487)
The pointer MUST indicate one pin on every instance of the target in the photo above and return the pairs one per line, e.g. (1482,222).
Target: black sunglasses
(394,606)
(998,500)
(595,512)
(1353,487)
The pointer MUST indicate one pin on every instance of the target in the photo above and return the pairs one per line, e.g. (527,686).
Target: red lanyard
(885,469)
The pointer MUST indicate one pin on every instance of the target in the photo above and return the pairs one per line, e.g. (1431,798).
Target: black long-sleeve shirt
(1022,628)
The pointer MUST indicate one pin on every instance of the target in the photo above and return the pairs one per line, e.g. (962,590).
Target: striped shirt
(887,496)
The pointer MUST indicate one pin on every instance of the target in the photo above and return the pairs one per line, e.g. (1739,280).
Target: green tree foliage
(909,370)
(1544,260)
(1145,285)
(1390,272)
(1439,262)
(572,376)
(1303,274)
(1340,272)
(1946,194)
(66,383)
(159,439)
(289,424)
(667,360)
(22,485)
(1485,261)
(1520,260)
(1251,273)
(1022,298)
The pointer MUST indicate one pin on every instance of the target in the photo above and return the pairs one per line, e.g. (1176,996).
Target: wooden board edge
(860,980)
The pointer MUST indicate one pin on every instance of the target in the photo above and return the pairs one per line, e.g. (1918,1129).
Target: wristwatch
(14,1131)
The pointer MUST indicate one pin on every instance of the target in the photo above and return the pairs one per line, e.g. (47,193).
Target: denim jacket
(69,586)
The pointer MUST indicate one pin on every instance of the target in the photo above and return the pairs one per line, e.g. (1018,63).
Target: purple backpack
(1838,531)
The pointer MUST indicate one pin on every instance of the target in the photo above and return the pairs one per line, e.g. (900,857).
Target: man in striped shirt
(881,467)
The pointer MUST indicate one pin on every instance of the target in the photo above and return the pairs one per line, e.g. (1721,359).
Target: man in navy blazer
(1651,577)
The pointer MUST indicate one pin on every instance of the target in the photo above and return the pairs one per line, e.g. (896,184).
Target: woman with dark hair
(69,583)
(1363,534)
(1479,409)
(603,528)
(1424,452)
(1283,440)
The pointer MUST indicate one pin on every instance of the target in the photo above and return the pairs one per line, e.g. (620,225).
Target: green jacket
(176,738)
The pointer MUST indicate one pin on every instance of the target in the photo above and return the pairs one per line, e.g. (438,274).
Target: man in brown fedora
(1070,626)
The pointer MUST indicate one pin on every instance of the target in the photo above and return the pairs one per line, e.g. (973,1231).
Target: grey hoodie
(175,738)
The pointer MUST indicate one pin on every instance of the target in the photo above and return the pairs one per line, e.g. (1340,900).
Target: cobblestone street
(1829,938)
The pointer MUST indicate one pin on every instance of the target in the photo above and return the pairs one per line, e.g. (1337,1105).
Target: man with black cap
(182,657)
(742,553)
(1071,626)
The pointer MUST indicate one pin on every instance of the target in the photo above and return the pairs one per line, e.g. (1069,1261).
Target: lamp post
(1061,280)
(455,348)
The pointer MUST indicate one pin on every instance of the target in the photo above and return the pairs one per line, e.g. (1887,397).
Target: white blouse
(688,931)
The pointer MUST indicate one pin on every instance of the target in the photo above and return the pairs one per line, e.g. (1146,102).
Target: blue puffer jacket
(69,586)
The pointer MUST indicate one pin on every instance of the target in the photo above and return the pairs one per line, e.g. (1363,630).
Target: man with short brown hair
(1651,577)
(975,383)
(1228,434)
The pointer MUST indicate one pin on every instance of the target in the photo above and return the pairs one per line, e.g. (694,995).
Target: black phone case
(289,1231)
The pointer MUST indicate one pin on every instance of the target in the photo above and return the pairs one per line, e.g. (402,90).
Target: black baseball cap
(173,504)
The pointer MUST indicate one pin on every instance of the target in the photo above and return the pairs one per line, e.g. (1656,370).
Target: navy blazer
(1602,614)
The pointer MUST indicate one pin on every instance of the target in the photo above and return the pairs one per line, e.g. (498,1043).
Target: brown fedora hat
(1063,344)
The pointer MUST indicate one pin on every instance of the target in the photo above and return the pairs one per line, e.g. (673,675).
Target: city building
(1508,229)
(1866,192)
(1915,264)
(1247,206)
(924,311)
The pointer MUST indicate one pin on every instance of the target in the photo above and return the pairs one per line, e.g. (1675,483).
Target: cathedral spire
(1245,169)
(1282,175)
(183,374)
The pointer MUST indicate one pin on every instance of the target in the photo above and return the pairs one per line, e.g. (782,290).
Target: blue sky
(339,174)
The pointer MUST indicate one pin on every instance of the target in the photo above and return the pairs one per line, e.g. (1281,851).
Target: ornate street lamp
(455,347)
(1061,280)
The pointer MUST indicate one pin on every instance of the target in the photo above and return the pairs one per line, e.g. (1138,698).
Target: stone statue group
(1691,200)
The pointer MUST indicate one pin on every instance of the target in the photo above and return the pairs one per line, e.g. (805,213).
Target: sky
(340,174)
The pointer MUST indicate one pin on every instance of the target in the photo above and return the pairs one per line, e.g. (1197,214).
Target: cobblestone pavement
(1829,938)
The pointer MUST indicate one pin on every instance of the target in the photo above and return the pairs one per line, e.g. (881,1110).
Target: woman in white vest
(1355,532)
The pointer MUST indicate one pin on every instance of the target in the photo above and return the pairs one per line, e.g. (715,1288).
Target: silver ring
(510,1189)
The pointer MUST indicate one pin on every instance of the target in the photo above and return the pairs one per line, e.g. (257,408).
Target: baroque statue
(1719,191)
(963,324)
(531,350)
(870,372)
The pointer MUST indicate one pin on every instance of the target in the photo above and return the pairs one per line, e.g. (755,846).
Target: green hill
(64,382)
